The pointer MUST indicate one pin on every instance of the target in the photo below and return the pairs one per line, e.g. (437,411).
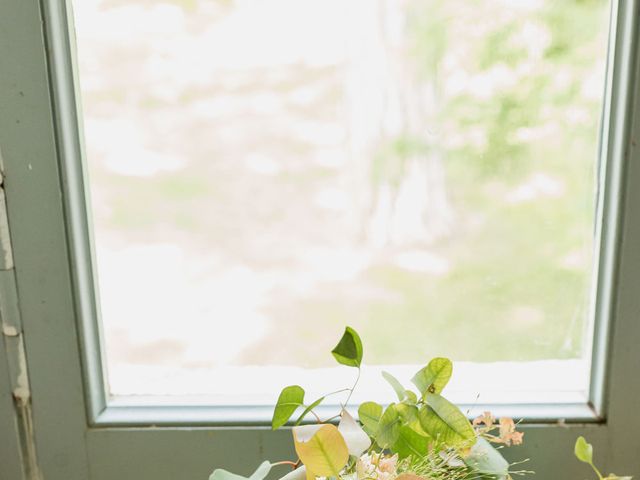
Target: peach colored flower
(485,418)
(508,433)
(377,466)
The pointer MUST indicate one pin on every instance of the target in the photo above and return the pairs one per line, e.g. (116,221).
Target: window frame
(78,435)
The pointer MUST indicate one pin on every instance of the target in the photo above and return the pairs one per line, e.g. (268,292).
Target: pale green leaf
(410,442)
(583,450)
(321,448)
(434,377)
(349,349)
(388,427)
(443,421)
(397,386)
(290,399)
(262,471)
(613,476)
(369,414)
(410,397)
(485,459)
(259,474)
(355,437)
(299,473)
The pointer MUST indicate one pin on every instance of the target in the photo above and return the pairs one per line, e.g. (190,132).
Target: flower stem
(352,389)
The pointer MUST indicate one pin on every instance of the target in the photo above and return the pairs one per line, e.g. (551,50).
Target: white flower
(377,466)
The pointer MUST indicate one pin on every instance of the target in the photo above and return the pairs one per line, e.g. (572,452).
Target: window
(523,179)
(264,172)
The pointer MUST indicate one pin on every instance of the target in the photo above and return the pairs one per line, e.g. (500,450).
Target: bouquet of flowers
(422,436)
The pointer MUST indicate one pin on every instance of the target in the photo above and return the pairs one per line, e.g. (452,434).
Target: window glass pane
(264,172)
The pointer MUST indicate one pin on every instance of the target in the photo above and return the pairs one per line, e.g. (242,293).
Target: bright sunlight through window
(265,172)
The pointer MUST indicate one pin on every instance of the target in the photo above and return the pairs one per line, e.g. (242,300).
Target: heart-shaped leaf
(443,421)
(349,349)
(434,377)
(485,459)
(355,437)
(369,414)
(290,399)
(583,450)
(388,427)
(321,448)
(259,474)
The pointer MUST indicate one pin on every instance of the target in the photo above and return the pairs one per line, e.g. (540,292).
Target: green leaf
(290,399)
(321,448)
(308,409)
(388,427)
(259,474)
(410,397)
(410,442)
(613,476)
(349,349)
(584,450)
(409,415)
(485,459)
(434,377)
(369,414)
(397,386)
(443,421)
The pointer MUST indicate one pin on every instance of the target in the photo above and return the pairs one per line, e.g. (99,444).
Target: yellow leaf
(324,453)
(309,475)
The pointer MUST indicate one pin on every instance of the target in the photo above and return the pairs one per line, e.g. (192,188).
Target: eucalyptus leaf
(369,414)
(349,349)
(321,448)
(355,437)
(485,459)
(445,422)
(290,399)
(584,450)
(397,386)
(261,472)
(388,427)
(434,377)
(299,473)
(410,442)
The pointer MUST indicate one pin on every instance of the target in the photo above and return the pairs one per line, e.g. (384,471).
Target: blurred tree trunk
(393,106)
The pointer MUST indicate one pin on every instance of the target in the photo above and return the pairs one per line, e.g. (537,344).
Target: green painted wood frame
(79,436)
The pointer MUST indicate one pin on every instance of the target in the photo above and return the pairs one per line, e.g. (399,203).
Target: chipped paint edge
(13,337)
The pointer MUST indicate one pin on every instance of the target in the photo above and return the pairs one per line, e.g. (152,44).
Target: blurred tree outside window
(264,172)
